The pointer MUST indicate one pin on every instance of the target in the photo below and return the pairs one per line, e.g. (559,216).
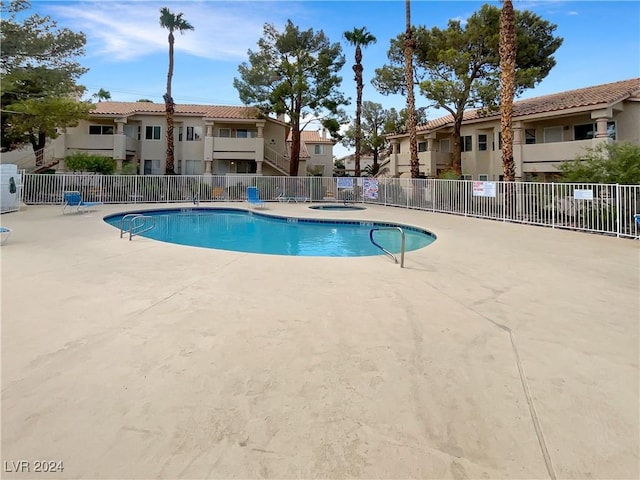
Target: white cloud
(572,13)
(463,20)
(126,31)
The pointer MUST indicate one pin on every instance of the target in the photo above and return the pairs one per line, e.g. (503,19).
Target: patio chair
(282,197)
(73,199)
(637,219)
(5,233)
(253,197)
(218,193)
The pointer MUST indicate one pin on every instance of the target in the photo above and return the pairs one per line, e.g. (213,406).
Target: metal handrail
(402,244)
(141,226)
(130,217)
(131,230)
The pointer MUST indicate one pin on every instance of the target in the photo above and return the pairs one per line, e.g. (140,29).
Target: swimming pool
(253,232)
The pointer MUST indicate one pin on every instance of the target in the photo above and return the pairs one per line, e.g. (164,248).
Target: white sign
(582,194)
(484,189)
(370,188)
(345,182)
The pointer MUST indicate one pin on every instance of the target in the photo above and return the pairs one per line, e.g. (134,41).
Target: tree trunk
(170,108)
(456,145)
(376,167)
(38,142)
(409,47)
(357,68)
(295,149)
(507,86)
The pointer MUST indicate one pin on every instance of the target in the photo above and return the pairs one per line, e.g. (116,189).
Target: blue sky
(127,49)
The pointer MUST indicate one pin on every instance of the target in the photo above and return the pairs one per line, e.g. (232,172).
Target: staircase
(46,166)
(27,159)
(276,160)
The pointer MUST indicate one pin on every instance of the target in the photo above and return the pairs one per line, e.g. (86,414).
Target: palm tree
(358,37)
(409,47)
(172,22)
(102,94)
(507,51)
(507,86)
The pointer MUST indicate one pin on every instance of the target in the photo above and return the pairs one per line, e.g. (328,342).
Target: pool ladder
(137,224)
(387,252)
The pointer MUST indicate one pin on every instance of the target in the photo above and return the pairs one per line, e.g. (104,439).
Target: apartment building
(208,139)
(548,130)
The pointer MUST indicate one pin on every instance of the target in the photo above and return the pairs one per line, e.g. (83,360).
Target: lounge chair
(73,199)
(282,197)
(5,233)
(253,197)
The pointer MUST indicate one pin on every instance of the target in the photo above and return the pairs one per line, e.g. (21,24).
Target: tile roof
(605,95)
(314,137)
(210,111)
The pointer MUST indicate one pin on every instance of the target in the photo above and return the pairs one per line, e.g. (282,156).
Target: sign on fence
(484,189)
(345,182)
(582,194)
(370,188)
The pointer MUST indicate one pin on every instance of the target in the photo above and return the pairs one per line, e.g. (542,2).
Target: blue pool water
(252,232)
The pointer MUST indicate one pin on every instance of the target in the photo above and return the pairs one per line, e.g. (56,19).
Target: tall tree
(358,37)
(460,65)
(172,22)
(294,73)
(507,86)
(409,45)
(371,133)
(377,122)
(102,94)
(38,74)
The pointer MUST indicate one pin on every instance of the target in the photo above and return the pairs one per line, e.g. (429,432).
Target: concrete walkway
(500,351)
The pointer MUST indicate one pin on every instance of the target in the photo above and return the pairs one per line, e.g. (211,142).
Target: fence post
(553,206)
(618,217)
(466,197)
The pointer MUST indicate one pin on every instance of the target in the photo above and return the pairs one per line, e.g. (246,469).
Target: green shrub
(84,162)
(605,163)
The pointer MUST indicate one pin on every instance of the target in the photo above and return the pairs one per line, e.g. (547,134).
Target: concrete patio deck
(500,351)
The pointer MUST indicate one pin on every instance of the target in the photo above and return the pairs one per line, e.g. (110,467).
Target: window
(530,136)
(445,145)
(244,133)
(465,143)
(193,167)
(179,134)
(152,133)
(100,129)
(585,131)
(244,166)
(318,149)
(152,167)
(224,132)
(467,177)
(482,142)
(130,131)
(422,146)
(552,134)
(483,177)
(588,131)
(194,134)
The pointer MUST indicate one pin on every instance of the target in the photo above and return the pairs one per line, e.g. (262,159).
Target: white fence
(606,209)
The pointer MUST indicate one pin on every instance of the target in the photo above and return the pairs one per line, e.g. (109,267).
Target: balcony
(236,148)
(540,156)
